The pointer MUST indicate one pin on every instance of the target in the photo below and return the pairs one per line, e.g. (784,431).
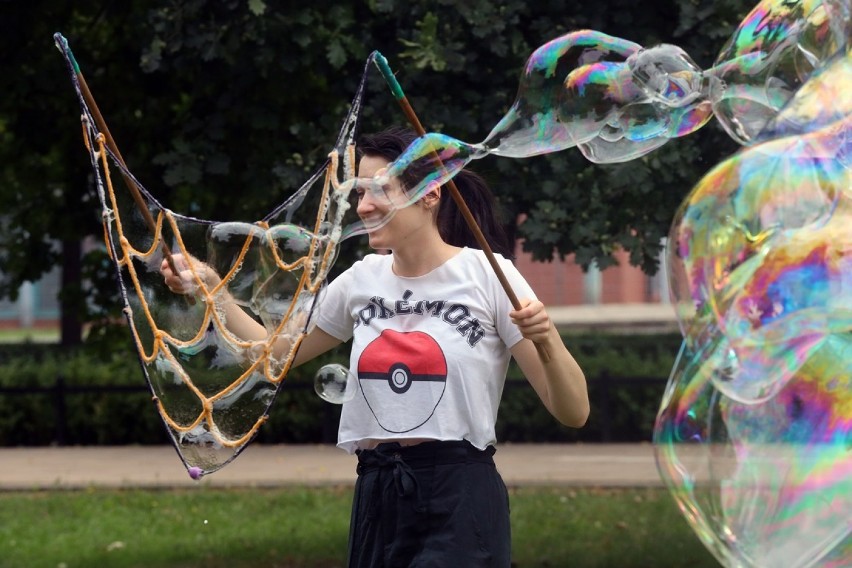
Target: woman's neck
(423,258)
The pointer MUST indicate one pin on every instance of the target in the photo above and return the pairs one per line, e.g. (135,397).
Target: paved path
(604,465)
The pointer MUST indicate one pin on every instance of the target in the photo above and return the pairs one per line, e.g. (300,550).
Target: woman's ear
(432,197)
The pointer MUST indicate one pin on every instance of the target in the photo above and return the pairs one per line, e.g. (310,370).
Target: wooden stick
(134,190)
(407,109)
(131,185)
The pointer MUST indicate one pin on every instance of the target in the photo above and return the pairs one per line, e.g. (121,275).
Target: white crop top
(430,353)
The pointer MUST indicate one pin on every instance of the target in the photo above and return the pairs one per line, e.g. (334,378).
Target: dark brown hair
(392,142)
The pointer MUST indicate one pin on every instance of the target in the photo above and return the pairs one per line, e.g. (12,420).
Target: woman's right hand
(181,280)
(238,321)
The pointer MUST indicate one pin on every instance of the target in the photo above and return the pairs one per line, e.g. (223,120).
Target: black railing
(59,392)
(600,392)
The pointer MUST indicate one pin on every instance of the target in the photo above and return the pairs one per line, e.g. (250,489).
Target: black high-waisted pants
(436,504)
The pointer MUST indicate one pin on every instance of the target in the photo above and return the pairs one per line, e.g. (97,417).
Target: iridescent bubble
(609,97)
(569,89)
(759,251)
(766,484)
(615,101)
(770,56)
(754,430)
(335,384)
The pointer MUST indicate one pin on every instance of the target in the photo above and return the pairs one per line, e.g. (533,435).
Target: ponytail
(477,195)
(452,226)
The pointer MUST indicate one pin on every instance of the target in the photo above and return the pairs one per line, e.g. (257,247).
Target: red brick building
(618,297)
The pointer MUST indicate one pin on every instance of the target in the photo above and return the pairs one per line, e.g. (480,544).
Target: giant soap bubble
(753,435)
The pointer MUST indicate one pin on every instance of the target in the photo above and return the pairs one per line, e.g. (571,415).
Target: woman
(432,333)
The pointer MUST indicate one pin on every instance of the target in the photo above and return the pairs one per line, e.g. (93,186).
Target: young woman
(432,333)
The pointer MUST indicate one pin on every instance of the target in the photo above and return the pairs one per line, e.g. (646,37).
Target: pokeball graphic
(403,376)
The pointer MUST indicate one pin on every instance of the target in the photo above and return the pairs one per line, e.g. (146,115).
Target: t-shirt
(430,353)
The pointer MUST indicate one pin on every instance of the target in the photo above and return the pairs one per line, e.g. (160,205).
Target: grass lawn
(307,528)
(32,335)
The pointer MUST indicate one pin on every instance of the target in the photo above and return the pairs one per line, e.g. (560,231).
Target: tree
(459,63)
(47,202)
(207,96)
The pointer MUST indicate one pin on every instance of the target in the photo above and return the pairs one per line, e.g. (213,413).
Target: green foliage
(47,197)
(625,376)
(113,416)
(616,355)
(221,109)
(90,418)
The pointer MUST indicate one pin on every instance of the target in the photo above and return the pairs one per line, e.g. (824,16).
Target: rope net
(212,388)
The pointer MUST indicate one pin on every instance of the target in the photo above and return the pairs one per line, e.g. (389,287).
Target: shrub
(51,402)
(625,376)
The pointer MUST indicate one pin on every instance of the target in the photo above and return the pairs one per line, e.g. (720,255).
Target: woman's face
(405,222)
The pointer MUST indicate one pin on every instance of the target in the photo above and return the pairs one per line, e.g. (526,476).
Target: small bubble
(335,384)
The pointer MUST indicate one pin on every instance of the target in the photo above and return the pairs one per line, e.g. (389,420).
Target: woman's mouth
(375,222)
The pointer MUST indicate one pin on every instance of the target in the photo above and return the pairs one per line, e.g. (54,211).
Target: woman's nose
(366,203)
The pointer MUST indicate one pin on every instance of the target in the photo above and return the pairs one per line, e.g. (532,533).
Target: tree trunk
(71,329)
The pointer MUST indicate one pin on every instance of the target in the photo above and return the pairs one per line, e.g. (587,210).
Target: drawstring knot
(402,476)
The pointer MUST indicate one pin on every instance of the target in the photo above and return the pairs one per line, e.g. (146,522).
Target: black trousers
(435,504)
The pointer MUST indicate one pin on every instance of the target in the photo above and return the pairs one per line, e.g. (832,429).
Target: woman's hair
(392,142)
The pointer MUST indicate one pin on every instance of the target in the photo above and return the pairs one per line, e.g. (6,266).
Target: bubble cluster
(615,100)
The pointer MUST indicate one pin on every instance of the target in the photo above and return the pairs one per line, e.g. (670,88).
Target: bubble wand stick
(62,44)
(399,95)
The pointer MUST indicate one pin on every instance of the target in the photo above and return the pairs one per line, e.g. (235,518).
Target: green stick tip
(394,85)
(62,45)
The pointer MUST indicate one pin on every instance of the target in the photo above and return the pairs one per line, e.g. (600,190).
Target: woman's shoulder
(364,270)
(481,270)
(479,257)
(370,263)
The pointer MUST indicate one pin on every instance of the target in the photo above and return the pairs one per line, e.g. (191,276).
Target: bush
(626,377)
(52,404)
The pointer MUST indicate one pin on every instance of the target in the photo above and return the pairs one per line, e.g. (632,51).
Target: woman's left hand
(532,320)
(558,380)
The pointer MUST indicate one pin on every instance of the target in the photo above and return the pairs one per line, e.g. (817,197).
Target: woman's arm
(237,320)
(559,383)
